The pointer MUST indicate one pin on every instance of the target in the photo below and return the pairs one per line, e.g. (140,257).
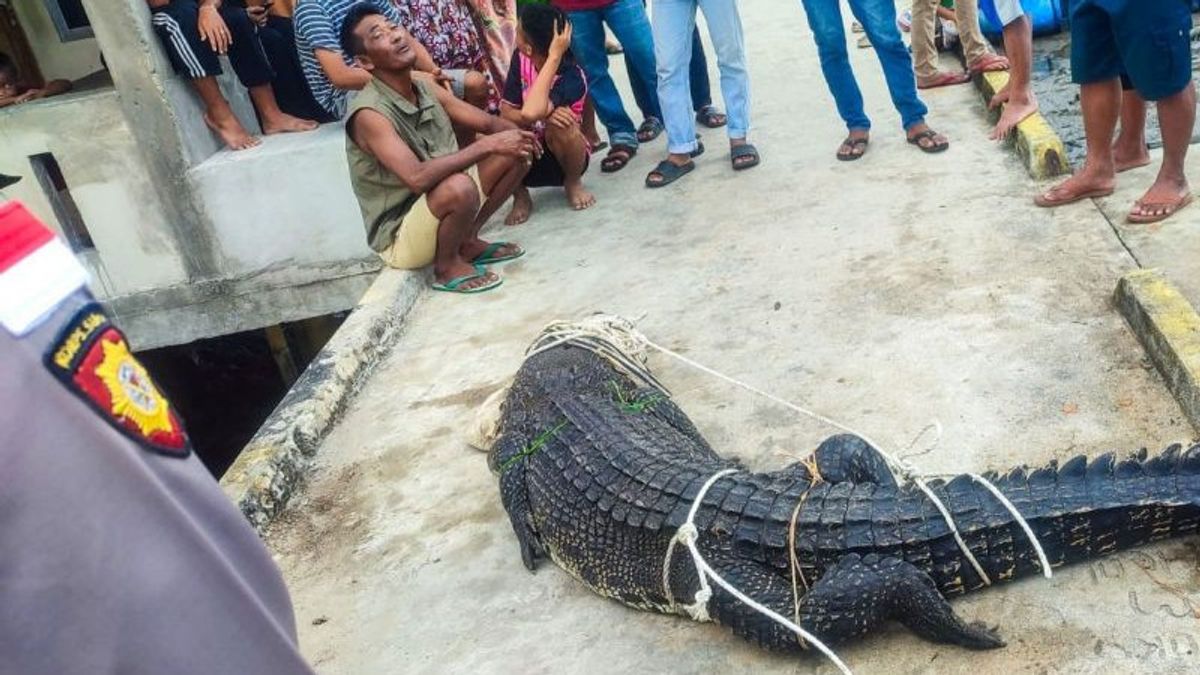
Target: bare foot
(999,98)
(284,123)
(1015,111)
(1083,185)
(1161,201)
(231,131)
(462,269)
(521,208)
(578,196)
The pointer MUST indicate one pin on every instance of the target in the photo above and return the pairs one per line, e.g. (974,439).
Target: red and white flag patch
(37,271)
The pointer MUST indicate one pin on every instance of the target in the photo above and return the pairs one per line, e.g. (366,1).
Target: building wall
(56,59)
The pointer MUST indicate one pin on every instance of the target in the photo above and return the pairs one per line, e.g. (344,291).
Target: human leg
(825,20)
(569,148)
(976,51)
(1100,102)
(1129,150)
(924,51)
(878,18)
(1020,100)
(176,26)
(455,204)
(587,44)
(698,74)
(278,39)
(254,71)
(628,21)
(499,179)
(725,29)
(1170,191)
(674,21)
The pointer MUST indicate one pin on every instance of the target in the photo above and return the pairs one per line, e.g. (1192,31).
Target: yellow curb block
(1169,329)
(1036,142)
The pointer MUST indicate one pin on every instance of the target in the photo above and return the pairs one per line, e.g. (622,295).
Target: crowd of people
(453,107)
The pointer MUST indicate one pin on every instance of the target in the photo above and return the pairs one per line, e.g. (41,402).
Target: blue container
(1048,16)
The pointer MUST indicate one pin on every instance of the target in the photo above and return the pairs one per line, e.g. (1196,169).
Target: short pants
(415,245)
(547,171)
(1148,40)
(1001,12)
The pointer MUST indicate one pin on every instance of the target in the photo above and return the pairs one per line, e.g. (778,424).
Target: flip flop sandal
(651,129)
(670,173)
(989,63)
(1168,209)
(853,144)
(945,80)
(744,150)
(710,117)
(489,257)
(455,284)
(929,149)
(1045,201)
(618,156)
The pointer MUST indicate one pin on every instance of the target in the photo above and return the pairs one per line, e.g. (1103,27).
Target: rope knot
(687,534)
(698,610)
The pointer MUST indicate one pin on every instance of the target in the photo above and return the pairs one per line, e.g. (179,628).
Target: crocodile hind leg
(852,598)
(515,497)
(847,457)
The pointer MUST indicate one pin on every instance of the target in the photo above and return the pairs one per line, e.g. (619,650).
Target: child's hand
(561,118)
(562,40)
(213,29)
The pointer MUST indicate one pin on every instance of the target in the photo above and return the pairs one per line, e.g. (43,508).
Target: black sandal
(651,128)
(710,117)
(669,171)
(853,145)
(617,158)
(744,150)
(933,148)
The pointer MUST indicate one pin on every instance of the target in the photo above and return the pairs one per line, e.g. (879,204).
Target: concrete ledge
(1169,329)
(1037,144)
(271,467)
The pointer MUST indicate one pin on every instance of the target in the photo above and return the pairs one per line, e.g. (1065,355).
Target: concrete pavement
(885,293)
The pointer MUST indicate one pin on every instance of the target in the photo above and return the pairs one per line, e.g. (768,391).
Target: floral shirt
(448,30)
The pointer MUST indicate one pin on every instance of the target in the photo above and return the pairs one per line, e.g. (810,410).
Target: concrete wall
(56,59)
(88,136)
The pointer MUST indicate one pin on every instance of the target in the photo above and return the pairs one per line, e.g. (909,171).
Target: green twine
(531,449)
(635,405)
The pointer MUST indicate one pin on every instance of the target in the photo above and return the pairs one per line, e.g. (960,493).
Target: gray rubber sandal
(744,150)
(670,173)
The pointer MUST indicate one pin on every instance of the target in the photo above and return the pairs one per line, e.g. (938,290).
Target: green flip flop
(489,257)
(455,284)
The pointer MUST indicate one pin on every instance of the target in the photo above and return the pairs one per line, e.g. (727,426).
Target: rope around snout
(618,341)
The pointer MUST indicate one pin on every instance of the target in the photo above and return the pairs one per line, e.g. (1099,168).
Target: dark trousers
(278,40)
(177,25)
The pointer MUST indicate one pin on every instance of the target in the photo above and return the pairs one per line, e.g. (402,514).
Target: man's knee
(559,138)
(455,193)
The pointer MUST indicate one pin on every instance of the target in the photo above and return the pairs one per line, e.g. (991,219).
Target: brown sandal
(617,158)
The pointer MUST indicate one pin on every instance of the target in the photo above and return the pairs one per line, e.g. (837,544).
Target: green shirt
(425,128)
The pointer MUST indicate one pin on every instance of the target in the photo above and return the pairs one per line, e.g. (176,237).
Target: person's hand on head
(213,29)
(561,118)
(562,39)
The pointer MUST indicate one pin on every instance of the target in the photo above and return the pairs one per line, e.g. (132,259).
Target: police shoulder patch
(92,358)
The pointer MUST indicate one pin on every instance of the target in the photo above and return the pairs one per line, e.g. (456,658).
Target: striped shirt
(319,26)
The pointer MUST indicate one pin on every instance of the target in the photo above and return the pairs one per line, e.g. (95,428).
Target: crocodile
(598,469)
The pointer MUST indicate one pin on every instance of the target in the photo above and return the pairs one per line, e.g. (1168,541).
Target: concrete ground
(886,293)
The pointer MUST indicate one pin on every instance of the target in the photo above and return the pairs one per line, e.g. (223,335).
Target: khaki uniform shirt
(425,128)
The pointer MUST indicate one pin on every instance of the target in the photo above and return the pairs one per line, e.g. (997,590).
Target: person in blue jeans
(878,19)
(702,103)
(674,24)
(628,21)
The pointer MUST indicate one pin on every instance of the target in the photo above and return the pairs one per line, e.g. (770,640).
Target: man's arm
(372,132)
(341,75)
(467,116)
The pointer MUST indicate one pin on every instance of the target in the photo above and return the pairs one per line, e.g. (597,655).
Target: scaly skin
(598,475)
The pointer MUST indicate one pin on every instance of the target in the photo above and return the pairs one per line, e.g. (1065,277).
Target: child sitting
(14,91)
(545,92)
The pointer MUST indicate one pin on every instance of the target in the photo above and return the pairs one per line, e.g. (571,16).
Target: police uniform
(118,551)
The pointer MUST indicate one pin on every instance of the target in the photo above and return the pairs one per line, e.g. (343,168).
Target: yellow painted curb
(1035,141)
(1169,329)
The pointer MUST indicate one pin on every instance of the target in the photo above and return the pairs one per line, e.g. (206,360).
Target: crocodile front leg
(847,457)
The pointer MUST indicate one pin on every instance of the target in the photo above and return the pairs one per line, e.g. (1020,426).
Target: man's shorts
(415,245)
(1146,39)
(546,171)
(1001,12)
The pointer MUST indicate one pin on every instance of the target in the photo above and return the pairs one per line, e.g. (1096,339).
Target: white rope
(1037,545)
(687,535)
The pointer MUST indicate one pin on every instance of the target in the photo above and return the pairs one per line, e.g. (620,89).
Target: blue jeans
(628,21)
(878,18)
(697,78)
(674,23)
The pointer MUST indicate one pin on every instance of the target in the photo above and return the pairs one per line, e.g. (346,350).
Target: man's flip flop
(988,63)
(930,134)
(744,150)
(669,171)
(616,159)
(1168,209)
(1046,200)
(651,129)
(853,144)
(710,117)
(944,80)
(455,284)
(489,257)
